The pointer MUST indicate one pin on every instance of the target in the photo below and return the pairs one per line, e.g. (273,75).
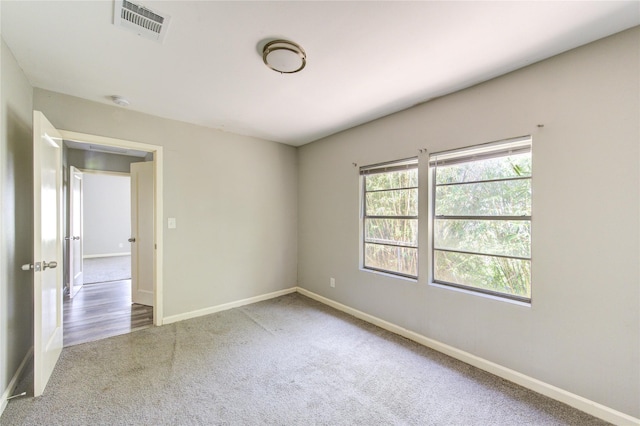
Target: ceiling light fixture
(285,57)
(119,100)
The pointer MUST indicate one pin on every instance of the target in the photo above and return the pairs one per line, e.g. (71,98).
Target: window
(482,218)
(390,217)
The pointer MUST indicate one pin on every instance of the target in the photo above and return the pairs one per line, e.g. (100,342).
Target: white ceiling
(364,59)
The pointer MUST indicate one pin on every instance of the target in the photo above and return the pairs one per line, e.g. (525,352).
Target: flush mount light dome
(285,57)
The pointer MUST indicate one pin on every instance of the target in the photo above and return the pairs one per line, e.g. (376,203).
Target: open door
(142,235)
(47,250)
(75,237)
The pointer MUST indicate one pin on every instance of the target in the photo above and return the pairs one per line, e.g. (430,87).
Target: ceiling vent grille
(141,20)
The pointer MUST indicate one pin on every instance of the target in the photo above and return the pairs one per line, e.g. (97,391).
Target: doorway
(106,223)
(99,300)
(102,307)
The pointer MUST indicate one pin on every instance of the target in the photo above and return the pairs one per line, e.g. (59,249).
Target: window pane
(399,202)
(508,276)
(494,168)
(392,231)
(403,260)
(392,180)
(503,237)
(504,198)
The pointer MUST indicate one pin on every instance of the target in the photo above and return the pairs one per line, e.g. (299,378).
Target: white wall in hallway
(107,214)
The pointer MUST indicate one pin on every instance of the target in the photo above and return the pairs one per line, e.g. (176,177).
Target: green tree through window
(390,219)
(482,218)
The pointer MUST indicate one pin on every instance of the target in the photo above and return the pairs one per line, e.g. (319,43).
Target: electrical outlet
(332,282)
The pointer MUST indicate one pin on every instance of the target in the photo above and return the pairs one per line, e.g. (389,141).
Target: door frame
(156,150)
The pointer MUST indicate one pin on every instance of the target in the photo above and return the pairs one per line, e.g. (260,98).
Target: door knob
(51,264)
(76,238)
(29,266)
(132,240)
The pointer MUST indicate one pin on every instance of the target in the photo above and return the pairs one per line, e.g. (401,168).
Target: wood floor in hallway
(103,310)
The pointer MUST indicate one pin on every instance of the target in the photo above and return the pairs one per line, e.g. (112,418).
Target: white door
(75,237)
(142,238)
(47,249)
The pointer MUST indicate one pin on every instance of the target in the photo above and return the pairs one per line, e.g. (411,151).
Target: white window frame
(475,153)
(387,167)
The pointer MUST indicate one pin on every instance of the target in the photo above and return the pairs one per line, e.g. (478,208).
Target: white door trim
(158,173)
(103,172)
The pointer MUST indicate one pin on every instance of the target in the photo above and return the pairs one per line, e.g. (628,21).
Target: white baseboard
(226,306)
(583,404)
(92,256)
(14,380)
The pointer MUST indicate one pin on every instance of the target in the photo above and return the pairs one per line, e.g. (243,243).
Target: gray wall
(16,180)
(107,214)
(234,198)
(582,331)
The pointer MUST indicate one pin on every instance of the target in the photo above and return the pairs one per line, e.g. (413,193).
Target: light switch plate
(172,222)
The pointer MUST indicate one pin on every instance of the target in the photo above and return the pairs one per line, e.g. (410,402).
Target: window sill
(390,275)
(484,295)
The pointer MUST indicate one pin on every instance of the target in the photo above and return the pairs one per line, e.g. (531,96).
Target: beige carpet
(104,269)
(286,361)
